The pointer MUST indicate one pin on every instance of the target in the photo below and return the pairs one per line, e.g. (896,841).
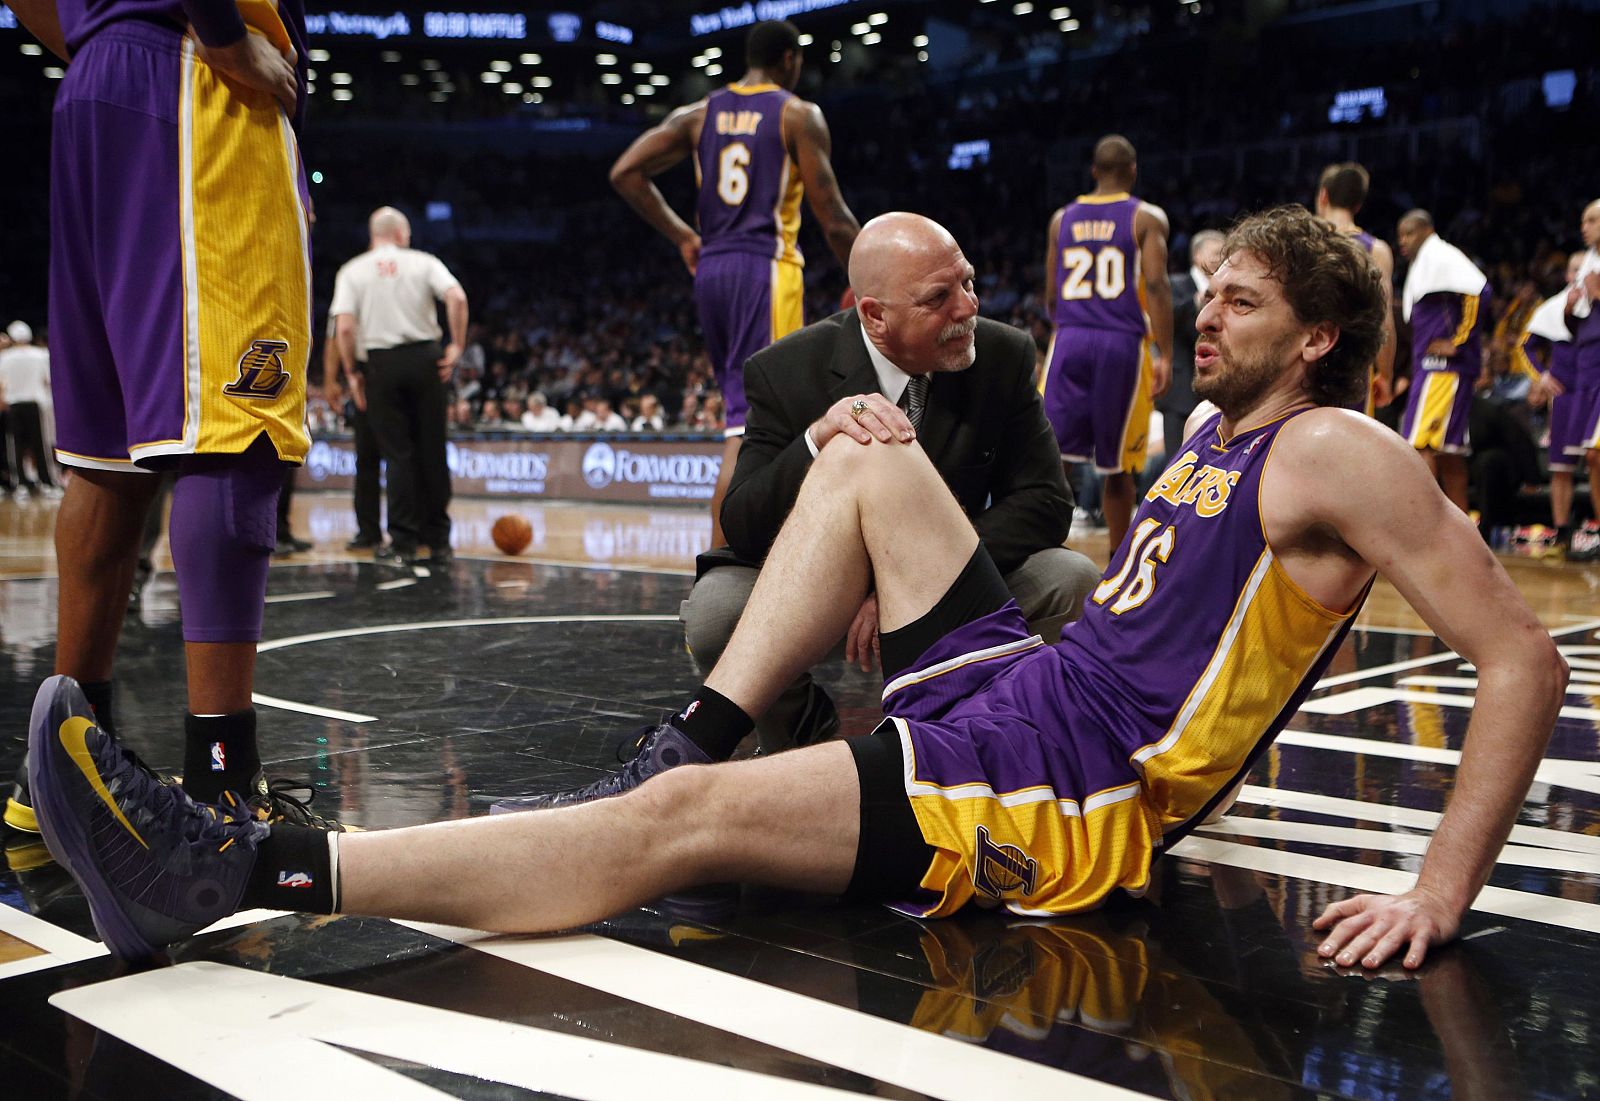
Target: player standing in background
(757,149)
(1546,335)
(180,315)
(1341,192)
(1111,353)
(1446,299)
(1583,322)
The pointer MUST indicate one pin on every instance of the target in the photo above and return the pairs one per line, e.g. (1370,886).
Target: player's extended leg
(97,545)
(791,821)
(788,821)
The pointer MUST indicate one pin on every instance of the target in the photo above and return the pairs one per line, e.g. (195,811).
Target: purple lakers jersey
(749,186)
(1364,239)
(1196,566)
(1097,266)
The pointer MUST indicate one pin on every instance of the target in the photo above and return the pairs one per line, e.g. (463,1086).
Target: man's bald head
(1115,163)
(888,246)
(914,293)
(388,226)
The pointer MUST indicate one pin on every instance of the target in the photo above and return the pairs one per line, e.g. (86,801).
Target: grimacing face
(1245,335)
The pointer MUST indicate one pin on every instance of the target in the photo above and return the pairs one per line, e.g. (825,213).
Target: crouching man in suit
(912,362)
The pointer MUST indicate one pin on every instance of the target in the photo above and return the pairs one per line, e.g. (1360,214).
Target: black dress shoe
(441,557)
(363,542)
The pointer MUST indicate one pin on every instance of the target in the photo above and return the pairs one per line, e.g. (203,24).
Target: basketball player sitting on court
(1008,772)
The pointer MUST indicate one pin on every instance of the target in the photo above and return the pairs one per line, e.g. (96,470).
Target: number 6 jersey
(750,190)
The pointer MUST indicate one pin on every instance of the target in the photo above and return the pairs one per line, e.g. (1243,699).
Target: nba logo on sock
(219,757)
(294,879)
(690,710)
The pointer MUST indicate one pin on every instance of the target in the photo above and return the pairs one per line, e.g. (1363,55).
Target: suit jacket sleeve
(1030,505)
(772,463)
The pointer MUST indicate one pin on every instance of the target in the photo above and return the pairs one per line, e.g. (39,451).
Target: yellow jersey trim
(1469,319)
(1099,200)
(752,89)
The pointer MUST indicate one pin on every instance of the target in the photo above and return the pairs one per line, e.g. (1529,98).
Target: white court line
(1415,632)
(397,583)
(276,1021)
(392,628)
(310,709)
(1417,663)
(573,565)
(898,1054)
(290,598)
(63,947)
(441,624)
(1578,689)
(60,947)
(1359,699)
(1413,844)
(1577,775)
(1335,807)
(1544,909)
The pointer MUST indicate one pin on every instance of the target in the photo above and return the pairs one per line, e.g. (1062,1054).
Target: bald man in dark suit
(911,359)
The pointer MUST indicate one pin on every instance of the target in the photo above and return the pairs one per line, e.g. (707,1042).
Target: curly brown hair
(1326,277)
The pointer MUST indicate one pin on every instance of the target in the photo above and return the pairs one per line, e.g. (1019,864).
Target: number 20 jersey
(750,188)
(1097,266)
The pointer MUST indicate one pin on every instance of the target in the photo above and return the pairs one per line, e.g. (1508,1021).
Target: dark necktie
(916,399)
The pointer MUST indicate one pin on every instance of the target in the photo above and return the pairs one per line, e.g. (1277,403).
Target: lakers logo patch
(261,373)
(1001,870)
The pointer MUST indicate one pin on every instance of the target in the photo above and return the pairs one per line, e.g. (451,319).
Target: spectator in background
(649,418)
(539,417)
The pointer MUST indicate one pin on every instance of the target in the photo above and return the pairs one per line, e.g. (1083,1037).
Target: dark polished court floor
(404,700)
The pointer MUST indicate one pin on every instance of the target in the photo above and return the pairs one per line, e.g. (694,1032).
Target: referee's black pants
(406,406)
(368,485)
(27,430)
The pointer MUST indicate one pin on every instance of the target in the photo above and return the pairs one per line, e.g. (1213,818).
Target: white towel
(1591,263)
(1440,268)
(1549,320)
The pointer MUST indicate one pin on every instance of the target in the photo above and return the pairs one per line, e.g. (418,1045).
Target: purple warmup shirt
(1458,318)
(749,188)
(1097,266)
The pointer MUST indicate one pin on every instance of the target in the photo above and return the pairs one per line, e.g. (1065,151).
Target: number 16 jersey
(750,188)
(1097,266)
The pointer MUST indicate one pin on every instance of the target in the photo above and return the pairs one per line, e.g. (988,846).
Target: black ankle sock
(294,870)
(714,723)
(98,694)
(219,754)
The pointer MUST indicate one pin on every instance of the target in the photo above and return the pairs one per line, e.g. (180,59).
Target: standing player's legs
(1097,396)
(745,302)
(1561,461)
(184,317)
(1435,423)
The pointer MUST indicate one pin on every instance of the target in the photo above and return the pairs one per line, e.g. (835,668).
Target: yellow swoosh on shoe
(73,739)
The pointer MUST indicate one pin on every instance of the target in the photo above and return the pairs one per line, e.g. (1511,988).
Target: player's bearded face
(1240,376)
